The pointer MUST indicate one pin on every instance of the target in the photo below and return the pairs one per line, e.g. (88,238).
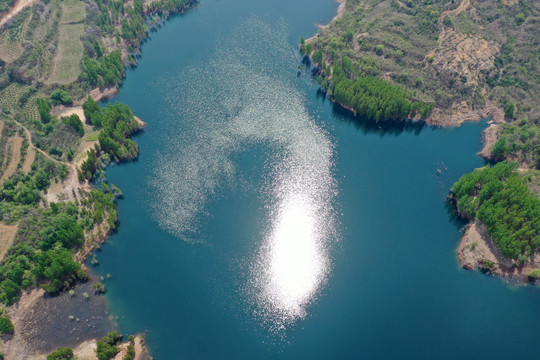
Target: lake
(262,222)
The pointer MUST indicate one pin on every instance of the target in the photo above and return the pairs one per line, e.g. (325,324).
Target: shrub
(535,274)
(61,97)
(61,354)
(6,326)
(499,149)
(44,109)
(75,123)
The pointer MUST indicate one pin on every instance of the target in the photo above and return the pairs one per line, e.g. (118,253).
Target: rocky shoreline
(476,251)
(76,319)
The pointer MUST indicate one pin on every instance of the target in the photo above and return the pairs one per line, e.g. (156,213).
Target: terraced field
(66,66)
(13,156)
(7,235)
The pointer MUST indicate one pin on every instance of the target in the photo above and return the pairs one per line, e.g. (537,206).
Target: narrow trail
(71,183)
(463,5)
(14,10)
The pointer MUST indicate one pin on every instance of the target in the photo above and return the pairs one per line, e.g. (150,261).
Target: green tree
(61,354)
(74,122)
(509,110)
(92,112)
(41,179)
(500,149)
(317,57)
(44,109)
(6,326)
(61,97)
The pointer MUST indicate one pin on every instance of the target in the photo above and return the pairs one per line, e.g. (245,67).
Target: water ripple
(223,107)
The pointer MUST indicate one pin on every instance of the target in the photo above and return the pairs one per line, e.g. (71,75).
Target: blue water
(261,222)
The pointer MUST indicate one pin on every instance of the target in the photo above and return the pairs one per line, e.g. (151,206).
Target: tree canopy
(500,199)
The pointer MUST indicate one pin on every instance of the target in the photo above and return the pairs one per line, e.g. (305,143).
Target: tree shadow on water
(453,216)
(368,126)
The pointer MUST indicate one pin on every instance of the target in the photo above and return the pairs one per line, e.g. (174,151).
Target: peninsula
(446,62)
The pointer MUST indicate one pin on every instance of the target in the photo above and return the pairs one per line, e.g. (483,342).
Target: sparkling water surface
(262,222)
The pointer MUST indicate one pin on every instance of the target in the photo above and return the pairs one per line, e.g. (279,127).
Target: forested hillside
(56,140)
(464,57)
(448,61)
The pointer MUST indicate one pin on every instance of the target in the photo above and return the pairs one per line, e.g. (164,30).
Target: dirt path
(71,184)
(14,143)
(463,5)
(7,235)
(14,10)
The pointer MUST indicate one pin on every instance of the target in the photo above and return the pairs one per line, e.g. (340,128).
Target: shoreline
(20,345)
(477,252)
(453,116)
(339,14)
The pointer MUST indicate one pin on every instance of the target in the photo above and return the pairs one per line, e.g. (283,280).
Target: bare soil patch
(489,138)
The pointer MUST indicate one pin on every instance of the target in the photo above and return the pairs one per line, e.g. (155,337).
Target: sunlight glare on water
(296,262)
(288,269)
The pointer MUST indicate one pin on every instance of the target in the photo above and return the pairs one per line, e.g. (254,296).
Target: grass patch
(72,11)
(70,49)
(92,137)
(66,66)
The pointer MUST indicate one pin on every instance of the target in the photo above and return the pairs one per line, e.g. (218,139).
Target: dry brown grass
(29,160)
(13,156)
(7,235)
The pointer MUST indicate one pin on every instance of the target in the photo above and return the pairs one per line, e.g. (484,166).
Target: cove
(260,221)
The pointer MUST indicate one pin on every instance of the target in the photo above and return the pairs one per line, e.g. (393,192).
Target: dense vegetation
(6,326)
(118,123)
(501,200)
(519,142)
(43,250)
(106,71)
(446,52)
(370,96)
